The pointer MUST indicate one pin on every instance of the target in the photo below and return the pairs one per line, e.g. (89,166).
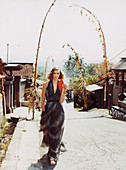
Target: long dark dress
(52,120)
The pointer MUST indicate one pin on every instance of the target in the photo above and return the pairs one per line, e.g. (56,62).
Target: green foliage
(90,69)
(3,121)
(91,79)
(86,75)
(6,131)
(71,81)
(40,71)
(70,67)
(71,70)
(78,84)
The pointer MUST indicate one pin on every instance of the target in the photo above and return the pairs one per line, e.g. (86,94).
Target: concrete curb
(24,147)
(12,154)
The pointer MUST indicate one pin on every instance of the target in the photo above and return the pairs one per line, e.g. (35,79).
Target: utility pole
(7,52)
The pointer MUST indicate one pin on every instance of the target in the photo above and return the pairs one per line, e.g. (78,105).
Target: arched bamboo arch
(99,30)
(40,36)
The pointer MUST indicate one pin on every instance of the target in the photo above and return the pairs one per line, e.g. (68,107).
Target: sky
(21,20)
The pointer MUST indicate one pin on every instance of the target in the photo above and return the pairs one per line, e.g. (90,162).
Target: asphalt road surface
(93,140)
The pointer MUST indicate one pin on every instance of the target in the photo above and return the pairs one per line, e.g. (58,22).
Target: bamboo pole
(36,63)
(103,48)
(79,67)
(99,29)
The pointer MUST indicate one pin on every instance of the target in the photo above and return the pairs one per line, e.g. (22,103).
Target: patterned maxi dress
(52,120)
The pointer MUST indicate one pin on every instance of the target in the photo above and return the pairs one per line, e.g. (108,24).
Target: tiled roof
(13,67)
(23,69)
(121,65)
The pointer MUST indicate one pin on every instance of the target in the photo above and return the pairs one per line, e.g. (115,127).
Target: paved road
(93,140)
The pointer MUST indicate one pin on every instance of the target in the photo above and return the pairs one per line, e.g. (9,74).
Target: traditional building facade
(120,80)
(118,108)
(14,78)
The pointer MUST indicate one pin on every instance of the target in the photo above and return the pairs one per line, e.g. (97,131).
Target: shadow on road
(41,164)
(93,117)
(119,119)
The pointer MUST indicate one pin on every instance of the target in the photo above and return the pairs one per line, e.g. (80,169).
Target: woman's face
(56,74)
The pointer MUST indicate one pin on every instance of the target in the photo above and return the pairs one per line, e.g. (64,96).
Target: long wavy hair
(50,74)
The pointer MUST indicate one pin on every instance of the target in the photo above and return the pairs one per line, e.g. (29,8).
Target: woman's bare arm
(63,92)
(43,96)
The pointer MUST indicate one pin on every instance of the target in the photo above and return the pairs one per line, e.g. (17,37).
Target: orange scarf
(60,83)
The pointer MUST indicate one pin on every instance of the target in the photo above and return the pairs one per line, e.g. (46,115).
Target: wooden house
(118,108)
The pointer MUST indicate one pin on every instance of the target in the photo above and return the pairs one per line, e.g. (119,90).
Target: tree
(40,71)
(90,69)
(101,72)
(91,79)
(70,67)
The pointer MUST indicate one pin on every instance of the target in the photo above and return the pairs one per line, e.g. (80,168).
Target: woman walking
(52,117)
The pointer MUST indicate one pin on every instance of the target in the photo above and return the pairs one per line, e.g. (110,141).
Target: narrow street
(93,140)
(66,50)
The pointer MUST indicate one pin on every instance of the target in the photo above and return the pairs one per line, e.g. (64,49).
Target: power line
(117,55)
